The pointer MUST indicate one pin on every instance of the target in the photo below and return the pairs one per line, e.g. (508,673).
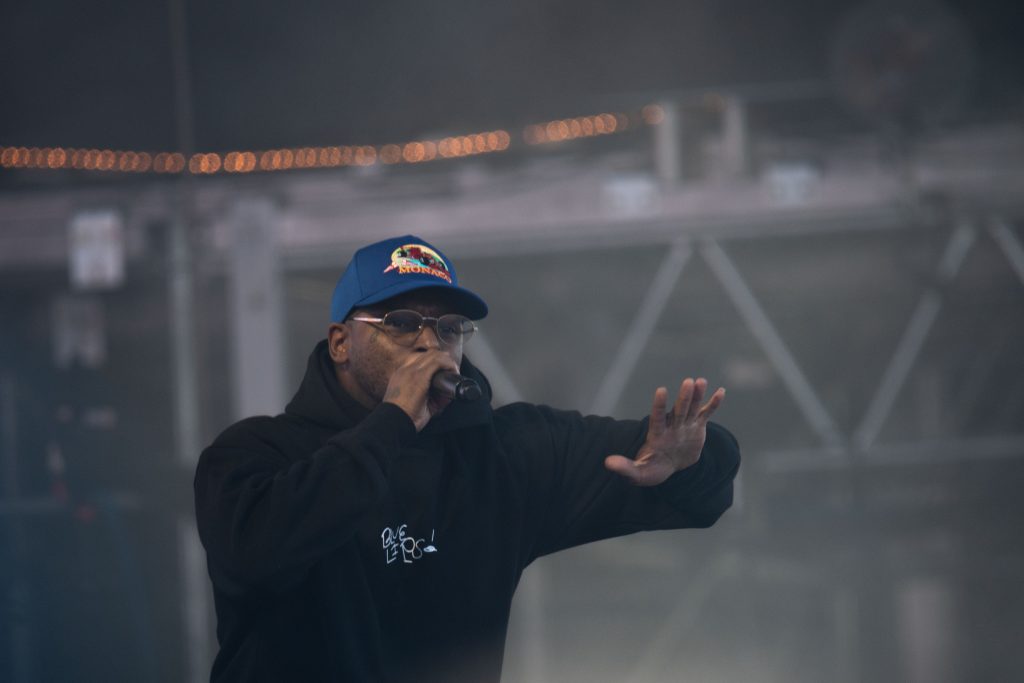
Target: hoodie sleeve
(576,500)
(264,516)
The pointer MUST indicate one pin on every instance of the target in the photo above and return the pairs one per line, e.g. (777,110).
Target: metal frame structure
(555,206)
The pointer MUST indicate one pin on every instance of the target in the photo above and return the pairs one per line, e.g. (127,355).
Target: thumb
(623,467)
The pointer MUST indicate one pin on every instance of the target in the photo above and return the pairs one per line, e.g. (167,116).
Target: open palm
(674,439)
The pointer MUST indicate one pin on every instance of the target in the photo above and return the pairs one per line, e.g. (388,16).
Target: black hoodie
(345,546)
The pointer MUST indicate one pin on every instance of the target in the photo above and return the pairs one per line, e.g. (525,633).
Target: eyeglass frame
(425,321)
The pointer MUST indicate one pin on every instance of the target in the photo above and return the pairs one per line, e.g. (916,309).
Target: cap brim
(466,302)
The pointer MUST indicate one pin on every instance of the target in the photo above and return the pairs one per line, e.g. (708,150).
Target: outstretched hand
(674,439)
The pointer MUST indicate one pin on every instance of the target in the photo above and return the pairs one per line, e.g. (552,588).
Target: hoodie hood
(321,399)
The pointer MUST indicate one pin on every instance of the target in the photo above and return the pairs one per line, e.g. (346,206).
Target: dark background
(271,74)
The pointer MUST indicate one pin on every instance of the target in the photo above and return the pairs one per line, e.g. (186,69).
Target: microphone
(454,385)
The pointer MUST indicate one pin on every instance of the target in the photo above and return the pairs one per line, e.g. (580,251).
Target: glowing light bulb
(653,114)
(413,152)
(390,154)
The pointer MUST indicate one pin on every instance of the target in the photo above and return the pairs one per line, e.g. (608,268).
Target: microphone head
(468,390)
(454,385)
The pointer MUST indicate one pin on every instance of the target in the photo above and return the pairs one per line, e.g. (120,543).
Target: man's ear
(339,338)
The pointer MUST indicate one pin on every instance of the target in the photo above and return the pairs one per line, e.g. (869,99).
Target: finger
(683,400)
(624,467)
(433,360)
(712,405)
(657,423)
(447,363)
(699,387)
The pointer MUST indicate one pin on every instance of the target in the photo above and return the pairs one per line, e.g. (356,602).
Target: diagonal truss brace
(909,347)
(1011,246)
(771,342)
(633,344)
(893,378)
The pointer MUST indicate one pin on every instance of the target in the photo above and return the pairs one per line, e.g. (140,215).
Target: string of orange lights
(419,151)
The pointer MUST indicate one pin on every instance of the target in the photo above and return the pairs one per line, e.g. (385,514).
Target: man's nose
(427,338)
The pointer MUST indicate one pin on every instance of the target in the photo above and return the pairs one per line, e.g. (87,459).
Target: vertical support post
(186,389)
(195,598)
(257,328)
(735,138)
(926,618)
(19,595)
(847,631)
(668,145)
(196,601)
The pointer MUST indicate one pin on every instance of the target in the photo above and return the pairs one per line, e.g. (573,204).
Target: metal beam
(635,341)
(771,342)
(913,339)
(735,145)
(256,311)
(1010,245)
(922,452)
(668,145)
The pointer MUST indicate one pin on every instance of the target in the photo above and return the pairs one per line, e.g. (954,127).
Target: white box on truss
(96,250)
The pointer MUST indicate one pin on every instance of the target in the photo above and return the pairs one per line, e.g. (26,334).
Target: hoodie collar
(321,399)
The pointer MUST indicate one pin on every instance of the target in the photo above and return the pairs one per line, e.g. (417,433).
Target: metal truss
(836,449)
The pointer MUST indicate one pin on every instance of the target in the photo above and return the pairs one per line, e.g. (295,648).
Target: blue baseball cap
(397,265)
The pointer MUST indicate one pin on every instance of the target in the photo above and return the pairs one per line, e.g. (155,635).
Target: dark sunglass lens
(453,328)
(403,322)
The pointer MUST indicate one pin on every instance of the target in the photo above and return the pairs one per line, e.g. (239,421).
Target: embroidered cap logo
(417,258)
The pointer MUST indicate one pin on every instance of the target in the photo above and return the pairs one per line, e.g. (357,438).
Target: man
(376,531)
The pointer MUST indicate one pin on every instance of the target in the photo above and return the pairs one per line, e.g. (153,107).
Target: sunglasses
(405,326)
